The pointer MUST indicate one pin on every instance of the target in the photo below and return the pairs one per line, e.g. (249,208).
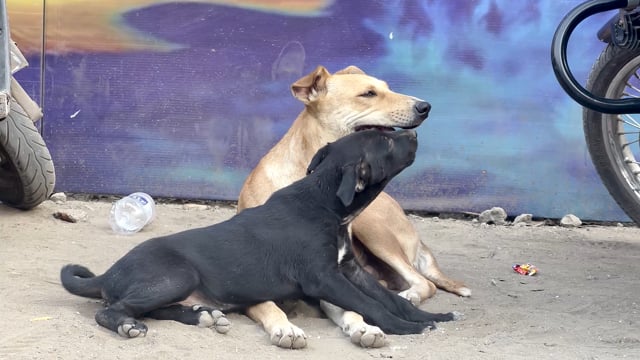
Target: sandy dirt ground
(583,304)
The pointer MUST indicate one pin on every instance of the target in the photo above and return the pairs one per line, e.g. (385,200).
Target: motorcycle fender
(4,105)
(604,34)
(30,107)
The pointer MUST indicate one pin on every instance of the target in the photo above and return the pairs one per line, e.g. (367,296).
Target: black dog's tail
(78,280)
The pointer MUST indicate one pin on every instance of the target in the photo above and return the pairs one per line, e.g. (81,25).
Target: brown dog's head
(350,100)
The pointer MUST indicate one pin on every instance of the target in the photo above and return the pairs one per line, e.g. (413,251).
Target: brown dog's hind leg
(426,263)
(282,333)
(387,233)
(382,243)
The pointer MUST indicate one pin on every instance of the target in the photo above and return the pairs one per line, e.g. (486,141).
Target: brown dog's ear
(354,180)
(317,158)
(351,69)
(308,88)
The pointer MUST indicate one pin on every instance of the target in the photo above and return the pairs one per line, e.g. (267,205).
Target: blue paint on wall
(192,121)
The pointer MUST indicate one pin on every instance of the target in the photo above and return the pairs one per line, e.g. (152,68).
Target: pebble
(523,220)
(192,206)
(495,215)
(570,220)
(58,198)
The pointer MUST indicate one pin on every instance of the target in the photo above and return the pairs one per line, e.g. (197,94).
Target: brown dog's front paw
(290,337)
(463,291)
(411,295)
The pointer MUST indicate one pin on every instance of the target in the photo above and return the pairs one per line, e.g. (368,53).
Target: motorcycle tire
(613,140)
(27,175)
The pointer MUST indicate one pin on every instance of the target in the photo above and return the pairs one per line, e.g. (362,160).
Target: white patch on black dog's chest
(341,252)
(343,244)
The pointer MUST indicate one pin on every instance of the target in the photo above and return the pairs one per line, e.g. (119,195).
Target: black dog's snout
(407,140)
(411,134)
(422,108)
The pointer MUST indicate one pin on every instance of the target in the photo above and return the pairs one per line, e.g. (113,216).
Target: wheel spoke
(632,86)
(624,145)
(629,120)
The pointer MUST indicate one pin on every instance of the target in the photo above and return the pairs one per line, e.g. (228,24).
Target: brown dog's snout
(422,108)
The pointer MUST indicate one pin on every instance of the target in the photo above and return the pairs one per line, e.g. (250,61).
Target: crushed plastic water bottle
(131,213)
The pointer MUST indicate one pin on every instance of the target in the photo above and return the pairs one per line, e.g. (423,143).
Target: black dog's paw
(429,326)
(444,317)
(212,319)
(131,328)
(402,327)
(457,315)
(452,316)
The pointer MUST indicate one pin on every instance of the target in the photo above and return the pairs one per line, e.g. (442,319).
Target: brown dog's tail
(80,281)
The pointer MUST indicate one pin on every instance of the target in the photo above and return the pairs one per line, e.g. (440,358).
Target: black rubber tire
(605,140)
(27,175)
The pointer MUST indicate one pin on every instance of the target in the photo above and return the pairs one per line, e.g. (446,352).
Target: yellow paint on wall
(96,26)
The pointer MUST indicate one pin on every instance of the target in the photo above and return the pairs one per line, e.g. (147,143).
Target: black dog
(296,245)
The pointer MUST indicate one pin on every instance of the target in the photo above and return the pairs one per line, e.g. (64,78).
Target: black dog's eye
(370,93)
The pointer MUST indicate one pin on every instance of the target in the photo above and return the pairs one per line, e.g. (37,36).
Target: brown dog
(337,105)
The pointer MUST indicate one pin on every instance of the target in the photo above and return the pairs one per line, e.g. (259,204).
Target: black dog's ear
(354,180)
(317,158)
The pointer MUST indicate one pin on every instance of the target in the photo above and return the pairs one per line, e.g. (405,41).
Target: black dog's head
(366,162)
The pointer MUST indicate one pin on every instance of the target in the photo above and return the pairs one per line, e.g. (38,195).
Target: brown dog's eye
(369,93)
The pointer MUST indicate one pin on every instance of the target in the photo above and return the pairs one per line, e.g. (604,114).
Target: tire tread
(30,158)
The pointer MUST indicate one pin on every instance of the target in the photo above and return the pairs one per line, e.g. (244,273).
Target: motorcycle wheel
(27,175)
(614,140)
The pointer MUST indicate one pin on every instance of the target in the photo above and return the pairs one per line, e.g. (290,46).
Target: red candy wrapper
(525,269)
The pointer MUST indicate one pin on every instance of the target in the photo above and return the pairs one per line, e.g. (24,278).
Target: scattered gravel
(495,215)
(570,220)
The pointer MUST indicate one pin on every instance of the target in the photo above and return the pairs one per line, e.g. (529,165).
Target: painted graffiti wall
(181,99)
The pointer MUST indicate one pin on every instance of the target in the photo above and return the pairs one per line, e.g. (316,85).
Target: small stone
(523,219)
(495,215)
(570,220)
(71,215)
(192,206)
(58,198)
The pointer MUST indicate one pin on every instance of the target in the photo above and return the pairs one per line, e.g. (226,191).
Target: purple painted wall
(181,99)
